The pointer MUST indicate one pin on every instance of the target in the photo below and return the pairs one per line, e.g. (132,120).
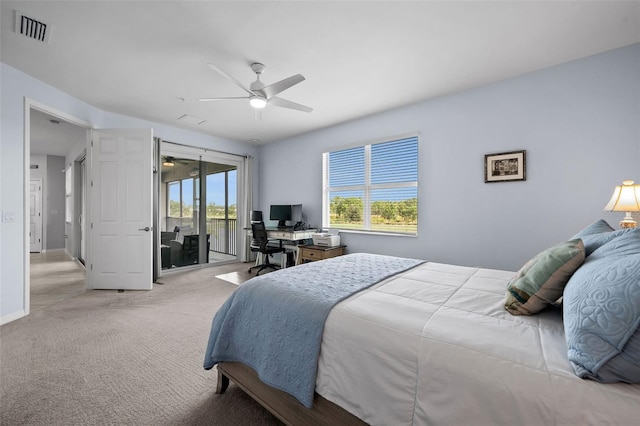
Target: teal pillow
(541,280)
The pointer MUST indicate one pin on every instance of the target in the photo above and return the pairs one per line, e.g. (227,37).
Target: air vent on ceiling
(191,119)
(32,28)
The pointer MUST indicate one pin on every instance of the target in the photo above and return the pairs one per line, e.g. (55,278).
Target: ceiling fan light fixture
(257,102)
(261,95)
(168,162)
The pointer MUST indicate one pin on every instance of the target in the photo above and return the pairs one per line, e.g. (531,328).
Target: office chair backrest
(256,216)
(259,240)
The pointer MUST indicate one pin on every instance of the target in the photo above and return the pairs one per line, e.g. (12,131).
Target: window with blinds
(372,188)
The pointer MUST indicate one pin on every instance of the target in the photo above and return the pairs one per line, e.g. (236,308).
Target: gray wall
(55,203)
(579,123)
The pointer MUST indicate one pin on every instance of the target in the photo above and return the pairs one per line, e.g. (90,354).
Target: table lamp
(625,198)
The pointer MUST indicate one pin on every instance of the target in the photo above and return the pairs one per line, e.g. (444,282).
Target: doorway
(198,207)
(53,141)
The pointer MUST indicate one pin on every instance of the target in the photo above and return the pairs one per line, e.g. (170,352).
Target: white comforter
(435,346)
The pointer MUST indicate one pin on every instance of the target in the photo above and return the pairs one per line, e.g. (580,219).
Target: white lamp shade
(625,198)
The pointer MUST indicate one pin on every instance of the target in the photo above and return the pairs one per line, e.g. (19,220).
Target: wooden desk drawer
(312,253)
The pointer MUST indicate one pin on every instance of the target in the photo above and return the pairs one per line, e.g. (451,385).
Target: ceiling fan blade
(288,104)
(275,88)
(220,99)
(224,74)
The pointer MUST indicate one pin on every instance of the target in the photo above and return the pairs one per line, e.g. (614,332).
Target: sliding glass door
(222,210)
(198,211)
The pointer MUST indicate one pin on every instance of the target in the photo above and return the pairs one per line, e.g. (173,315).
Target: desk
(288,234)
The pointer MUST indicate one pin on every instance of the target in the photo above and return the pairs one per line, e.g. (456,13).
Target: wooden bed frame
(282,405)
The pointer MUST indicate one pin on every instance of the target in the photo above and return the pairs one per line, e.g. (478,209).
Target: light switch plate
(8,216)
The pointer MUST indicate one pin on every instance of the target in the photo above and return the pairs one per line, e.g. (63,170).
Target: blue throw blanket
(274,323)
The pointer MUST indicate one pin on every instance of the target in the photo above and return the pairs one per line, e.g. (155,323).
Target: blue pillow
(594,241)
(601,306)
(596,227)
(596,235)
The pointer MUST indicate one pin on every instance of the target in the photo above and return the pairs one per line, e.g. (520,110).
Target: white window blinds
(372,187)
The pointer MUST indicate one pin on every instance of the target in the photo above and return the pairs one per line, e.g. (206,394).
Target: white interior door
(120,243)
(35,215)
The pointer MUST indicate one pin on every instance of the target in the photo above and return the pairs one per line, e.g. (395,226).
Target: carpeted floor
(131,358)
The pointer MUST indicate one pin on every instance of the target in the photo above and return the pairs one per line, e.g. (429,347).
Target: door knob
(146,228)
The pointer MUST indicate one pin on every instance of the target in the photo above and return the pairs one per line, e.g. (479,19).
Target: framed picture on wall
(505,166)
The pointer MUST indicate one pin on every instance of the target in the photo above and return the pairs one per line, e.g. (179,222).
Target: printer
(325,239)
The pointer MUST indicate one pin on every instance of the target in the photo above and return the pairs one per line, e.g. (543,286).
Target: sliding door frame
(177,150)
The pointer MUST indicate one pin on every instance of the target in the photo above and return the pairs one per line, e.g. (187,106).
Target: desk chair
(259,243)
(256,217)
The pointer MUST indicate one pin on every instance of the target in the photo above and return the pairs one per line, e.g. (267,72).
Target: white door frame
(81,185)
(28,105)
(211,156)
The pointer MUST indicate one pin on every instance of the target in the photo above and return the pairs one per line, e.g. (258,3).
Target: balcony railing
(222,232)
(223,235)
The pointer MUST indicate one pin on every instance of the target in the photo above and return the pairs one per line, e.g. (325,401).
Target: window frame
(367,187)
(195,191)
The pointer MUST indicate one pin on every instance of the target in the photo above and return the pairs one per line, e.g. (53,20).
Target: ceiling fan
(260,95)
(169,161)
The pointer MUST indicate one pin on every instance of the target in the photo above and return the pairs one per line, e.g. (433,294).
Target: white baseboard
(12,317)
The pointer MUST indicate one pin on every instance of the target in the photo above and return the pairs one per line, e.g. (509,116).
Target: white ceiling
(52,135)
(148,59)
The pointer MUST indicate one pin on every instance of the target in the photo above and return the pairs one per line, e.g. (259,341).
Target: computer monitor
(281,213)
(296,213)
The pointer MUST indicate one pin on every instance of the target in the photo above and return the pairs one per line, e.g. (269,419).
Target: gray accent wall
(579,123)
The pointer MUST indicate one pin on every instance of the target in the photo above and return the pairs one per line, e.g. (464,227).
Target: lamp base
(628,221)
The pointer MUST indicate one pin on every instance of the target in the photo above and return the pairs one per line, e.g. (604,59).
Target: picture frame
(505,166)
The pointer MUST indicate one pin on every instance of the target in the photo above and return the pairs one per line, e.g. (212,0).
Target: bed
(433,343)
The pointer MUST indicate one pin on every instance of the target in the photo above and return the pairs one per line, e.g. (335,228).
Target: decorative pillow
(596,227)
(602,312)
(541,280)
(596,235)
(594,241)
